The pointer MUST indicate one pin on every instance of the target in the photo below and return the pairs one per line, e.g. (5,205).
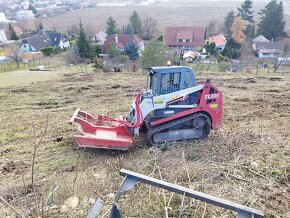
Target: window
(187,40)
(188,80)
(179,40)
(170,82)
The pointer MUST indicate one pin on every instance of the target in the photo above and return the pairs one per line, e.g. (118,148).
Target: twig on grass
(11,207)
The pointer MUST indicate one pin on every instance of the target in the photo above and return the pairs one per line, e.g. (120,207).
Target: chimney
(116,39)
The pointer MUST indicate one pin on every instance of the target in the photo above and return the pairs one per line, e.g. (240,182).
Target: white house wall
(27,47)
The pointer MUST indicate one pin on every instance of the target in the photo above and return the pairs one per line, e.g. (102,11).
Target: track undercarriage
(192,127)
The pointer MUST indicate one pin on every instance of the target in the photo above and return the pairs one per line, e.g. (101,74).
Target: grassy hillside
(246,161)
(172,13)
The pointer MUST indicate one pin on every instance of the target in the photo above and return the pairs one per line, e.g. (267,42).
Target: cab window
(170,82)
(188,82)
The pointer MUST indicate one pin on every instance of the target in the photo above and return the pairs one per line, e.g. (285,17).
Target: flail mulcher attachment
(105,132)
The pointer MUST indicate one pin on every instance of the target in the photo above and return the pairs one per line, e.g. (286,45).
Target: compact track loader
(173,108)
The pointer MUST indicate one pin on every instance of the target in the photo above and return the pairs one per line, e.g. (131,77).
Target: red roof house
(121,40)
(219,40)
(184,38)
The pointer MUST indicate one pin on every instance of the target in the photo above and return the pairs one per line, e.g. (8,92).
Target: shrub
(47,51)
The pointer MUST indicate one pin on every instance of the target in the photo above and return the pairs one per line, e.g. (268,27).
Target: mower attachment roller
(94,135)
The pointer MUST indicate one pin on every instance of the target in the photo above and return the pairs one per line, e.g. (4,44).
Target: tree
(34,11)
(272,21)
(149,27)
(114,52)
(232,49)
(128,29)
(210,48)
(111,27)
(132,50)
(136,22)
(15,54)
(73,29)
(98,49)
(40,26)
(250,31)
(245,11)
(84,45)
(238,28)
(153,55)
(211,28)
(228,23)
(13,35)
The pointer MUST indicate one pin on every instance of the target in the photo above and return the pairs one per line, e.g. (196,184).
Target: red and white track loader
(173,108)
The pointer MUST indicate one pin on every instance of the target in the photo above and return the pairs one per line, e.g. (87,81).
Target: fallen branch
(11,207)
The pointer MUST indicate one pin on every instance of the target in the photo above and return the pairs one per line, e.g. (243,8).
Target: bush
(97,64)
(47,51)
(51,51)
(225,66)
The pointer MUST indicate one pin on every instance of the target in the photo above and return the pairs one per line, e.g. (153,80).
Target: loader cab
(165,80)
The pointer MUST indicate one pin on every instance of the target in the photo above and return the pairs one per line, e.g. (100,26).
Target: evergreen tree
(232,49)
(13,35)
(272,22)
(84,46)
(114,52)
(228,23)
(131,49)
(111,27)
(136,22)
(210,48)
(245,11)
(153,55)
(128,29)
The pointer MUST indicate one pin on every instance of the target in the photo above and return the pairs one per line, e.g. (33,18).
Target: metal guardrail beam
(131,179)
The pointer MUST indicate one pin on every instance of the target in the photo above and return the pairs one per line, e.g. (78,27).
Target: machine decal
(214,106)
(168,112)
(211,96)
(158,101)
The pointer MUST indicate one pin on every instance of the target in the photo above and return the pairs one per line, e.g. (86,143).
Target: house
(3,18)
(260,38)
(24,15)
(184,38)
(121,40)
(17,29)
(99,38)
(219,40)
(190,56)
(269,49)
(44,39)
(3,37)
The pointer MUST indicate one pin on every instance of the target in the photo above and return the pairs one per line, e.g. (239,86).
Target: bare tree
(15,54)
(282,58)
(149,27)
(36,144)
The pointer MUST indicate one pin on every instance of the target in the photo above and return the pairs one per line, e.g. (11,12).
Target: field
(246,161)
(172,13)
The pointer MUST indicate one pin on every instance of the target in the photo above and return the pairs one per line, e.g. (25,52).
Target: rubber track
(157,129)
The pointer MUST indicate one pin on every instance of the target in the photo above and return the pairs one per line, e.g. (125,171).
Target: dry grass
(246,161)
(172,13)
